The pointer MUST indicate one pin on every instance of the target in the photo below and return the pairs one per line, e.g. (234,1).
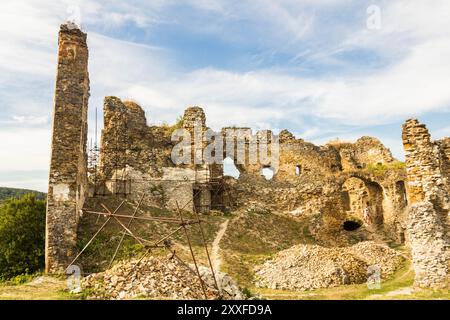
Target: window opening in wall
(230,169)
(267,172)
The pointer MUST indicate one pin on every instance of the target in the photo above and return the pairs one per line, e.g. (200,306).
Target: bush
(169,129)
(22,236)
(380,169)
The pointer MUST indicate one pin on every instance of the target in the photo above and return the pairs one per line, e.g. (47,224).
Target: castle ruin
(336,182)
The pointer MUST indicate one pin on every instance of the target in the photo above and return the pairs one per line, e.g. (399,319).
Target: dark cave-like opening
(351,225)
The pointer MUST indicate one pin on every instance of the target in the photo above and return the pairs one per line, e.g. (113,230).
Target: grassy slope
(252,238)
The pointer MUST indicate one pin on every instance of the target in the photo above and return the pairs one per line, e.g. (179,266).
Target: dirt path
(216,260)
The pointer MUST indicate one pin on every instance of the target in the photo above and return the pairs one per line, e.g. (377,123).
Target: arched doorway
(363,200)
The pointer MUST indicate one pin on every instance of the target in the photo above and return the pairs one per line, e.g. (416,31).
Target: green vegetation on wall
(381,169)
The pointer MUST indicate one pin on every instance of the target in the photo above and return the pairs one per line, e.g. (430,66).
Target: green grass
(253,239)
(41,288)
(51,288)
(240,267)
(262,234)
(380,169)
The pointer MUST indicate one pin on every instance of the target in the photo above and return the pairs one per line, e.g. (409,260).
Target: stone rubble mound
(373,253)
(156,278)
(306,267)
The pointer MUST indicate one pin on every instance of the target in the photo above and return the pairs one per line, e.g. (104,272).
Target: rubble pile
(156,278)
(306,267)
(373,253)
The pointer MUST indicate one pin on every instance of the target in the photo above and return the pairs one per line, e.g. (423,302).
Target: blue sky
(311,66)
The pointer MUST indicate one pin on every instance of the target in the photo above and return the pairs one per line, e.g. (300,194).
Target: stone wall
(364,195)
(302,172)
(68,180)
(298,157)
(428,231)
(364,152)
(136,158)
(127,141)
(429,246)
(444,158)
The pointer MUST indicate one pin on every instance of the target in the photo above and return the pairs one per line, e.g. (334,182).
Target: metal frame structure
(163,242)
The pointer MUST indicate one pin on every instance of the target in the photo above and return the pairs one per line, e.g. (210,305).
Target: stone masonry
(427,220)
(429,247)
(68,179)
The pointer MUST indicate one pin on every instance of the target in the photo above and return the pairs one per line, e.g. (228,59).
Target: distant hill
(7,193)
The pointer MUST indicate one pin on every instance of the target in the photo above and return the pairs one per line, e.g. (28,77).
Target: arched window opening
(268,173)
(230,169)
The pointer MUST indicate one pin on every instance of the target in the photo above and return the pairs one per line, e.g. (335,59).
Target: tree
(22,236)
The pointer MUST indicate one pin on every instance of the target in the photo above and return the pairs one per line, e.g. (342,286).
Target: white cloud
(28,120)
(34,180)
(25,149)
(440,133)
(415,84)
(414,41)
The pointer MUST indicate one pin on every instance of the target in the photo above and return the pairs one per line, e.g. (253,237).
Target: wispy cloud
(26,120)
(310,66)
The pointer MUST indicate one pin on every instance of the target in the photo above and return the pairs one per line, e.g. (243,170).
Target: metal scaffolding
(164,242)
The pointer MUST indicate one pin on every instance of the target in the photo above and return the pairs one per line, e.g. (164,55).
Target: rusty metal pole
(123,235)
(192,251)
(152,246)
(89,242)
(207,251)
(122,225)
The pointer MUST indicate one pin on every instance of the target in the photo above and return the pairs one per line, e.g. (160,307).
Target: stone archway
(361,195)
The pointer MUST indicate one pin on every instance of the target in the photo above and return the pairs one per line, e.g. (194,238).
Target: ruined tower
(68,177)
(428,214)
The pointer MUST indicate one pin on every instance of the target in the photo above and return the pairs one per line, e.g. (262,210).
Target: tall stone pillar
(68,165)
(429,206)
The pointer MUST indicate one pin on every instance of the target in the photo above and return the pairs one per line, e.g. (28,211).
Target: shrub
(21,279)
(169,129)
(380,169)
(22,236)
